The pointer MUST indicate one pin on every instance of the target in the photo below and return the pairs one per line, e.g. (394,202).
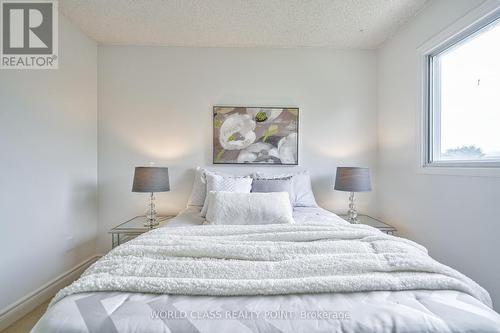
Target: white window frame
(461,31)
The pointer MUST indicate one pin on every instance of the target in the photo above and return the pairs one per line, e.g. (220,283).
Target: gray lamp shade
(151,179)
(352,179)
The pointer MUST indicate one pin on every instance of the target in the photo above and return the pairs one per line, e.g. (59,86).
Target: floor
(26,323)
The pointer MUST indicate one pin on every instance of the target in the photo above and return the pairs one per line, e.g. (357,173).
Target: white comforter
(276,259)
(409,311)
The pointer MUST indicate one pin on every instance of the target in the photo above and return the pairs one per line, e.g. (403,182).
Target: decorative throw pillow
(228,184)
(302,195)
(249,208)
(263,185)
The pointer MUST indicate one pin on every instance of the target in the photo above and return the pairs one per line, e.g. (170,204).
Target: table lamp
(151,180)
(352,179)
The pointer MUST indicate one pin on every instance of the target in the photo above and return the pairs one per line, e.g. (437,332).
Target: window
(462,121)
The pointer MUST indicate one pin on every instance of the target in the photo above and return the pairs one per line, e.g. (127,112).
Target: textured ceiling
(338,24)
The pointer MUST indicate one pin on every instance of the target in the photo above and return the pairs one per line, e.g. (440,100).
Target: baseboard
(17,310)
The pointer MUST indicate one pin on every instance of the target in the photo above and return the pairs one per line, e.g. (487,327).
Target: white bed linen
(379,311)
(190,216)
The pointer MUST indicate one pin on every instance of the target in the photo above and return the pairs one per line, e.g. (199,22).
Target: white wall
(48,167)
(155,104)
(456,217)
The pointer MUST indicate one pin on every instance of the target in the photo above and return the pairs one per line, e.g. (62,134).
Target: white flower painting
(255,135)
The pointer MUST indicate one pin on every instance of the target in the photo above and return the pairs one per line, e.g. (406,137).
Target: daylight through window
(464,100)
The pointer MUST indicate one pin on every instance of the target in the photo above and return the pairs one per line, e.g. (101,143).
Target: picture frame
(255,135)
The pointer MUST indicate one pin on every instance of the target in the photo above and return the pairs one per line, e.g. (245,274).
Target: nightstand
(368,220)
(133,228)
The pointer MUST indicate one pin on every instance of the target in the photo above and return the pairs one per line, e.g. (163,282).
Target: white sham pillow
(302,191)
(226,208)
(228,184)
(199,190)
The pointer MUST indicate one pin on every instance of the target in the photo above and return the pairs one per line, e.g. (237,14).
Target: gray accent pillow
(261,185)
(301,188)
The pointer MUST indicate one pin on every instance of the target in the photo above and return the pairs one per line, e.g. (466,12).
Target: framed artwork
(255,135)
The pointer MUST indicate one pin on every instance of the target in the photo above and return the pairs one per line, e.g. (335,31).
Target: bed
(431,309)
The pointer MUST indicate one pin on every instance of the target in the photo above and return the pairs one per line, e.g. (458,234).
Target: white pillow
(249,208)
(302,191)
(199,191)
(228,184)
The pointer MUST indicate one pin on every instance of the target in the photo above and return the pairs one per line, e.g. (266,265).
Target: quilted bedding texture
(269,260)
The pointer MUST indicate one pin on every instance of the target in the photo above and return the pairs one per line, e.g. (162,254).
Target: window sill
(459,171)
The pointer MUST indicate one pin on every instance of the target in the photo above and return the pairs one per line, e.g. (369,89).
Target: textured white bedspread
(335,257)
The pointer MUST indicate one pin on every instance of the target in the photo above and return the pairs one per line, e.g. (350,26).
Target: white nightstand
(133,228)
(372,222)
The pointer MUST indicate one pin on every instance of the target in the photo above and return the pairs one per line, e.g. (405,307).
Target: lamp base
(353,220)
(352,213)
(151,220)
(151,223)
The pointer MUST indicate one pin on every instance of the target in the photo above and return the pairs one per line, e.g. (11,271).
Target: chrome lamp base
(151,218)
(352,214)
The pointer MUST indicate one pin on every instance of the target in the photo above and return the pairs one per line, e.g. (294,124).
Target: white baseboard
(17,310)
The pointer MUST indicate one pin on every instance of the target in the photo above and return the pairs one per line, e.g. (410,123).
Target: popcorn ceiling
(341,24)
